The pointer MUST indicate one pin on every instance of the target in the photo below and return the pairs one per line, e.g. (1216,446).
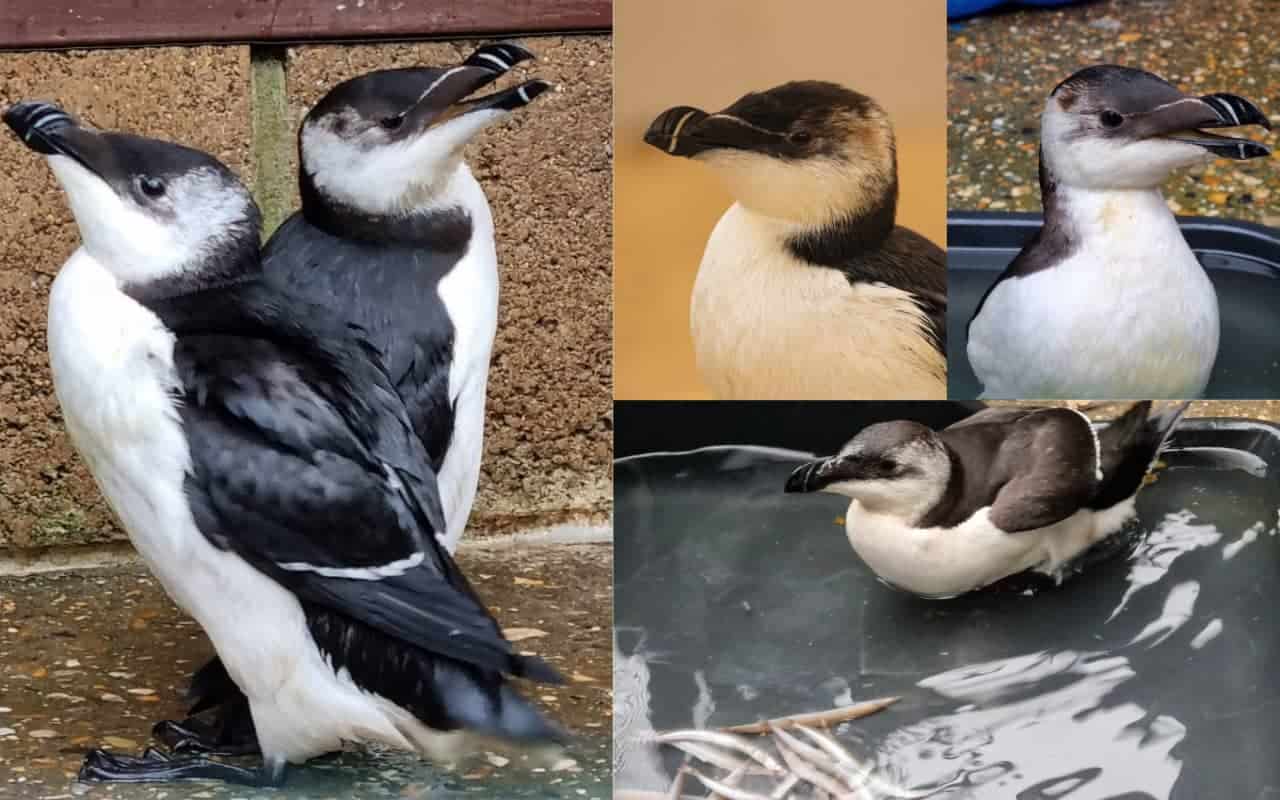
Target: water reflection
(1034,716)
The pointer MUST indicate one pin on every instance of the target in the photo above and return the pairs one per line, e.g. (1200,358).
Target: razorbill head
(1108,301)
(263,466)
(389,143)
(395,236)
(807,287)
(1109,128)
(156,217)
(940,513)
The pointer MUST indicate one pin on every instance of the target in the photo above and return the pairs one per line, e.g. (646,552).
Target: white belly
(1131,314)
(112,369)
(470,294)
(767,326)
(944,562)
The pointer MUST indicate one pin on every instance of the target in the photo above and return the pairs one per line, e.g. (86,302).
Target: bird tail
(1130,446)
(444,695)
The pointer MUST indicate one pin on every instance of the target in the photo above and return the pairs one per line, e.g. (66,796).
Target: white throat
(378,178)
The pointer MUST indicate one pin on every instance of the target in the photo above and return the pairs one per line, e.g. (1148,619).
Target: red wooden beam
(45,24)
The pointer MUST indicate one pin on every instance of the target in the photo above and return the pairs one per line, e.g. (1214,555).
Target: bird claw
(157,766)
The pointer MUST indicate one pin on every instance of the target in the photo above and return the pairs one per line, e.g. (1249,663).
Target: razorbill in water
(1108,301)
(395,236)
(1001,492)
(808,289)
(264,467)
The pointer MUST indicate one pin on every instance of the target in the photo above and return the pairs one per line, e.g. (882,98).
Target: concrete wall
(547,174)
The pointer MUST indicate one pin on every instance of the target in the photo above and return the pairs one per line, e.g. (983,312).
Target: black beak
(444,97)
(817,475)
(686,131)
(37,124)
(50,131)
(1183,121)
(508,99)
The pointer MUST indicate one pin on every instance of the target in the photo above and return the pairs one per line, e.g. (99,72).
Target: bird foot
(193,737)
(156,766)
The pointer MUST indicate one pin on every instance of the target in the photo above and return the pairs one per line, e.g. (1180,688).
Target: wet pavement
(94,658)
(1001,68)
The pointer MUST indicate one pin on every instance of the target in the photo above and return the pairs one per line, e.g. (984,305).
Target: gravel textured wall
(1001,68)
(547,174)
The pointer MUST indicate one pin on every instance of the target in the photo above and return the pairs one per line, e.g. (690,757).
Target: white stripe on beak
(504,66)
(438,81)
(675,135)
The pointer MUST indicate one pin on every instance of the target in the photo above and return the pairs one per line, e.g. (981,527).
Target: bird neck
(848,234)
(237,262)
(949,496)
(1089,207)
(439,215)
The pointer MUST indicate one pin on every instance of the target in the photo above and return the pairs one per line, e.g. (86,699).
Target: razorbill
(395,236)
(1001,492)
(808,289)
(1108,301)
(264,467)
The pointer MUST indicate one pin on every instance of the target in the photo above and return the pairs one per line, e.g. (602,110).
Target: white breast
(1131,314)
(767,326)
(470,295)
(944,562)
(112,365)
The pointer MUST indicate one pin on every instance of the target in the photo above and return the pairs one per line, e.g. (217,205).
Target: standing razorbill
(1108,301)
(998,493)
(808,289)
(265,469)
(396,237)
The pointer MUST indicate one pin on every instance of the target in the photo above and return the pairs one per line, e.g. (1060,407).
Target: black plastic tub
(1154,674)
(1242,259)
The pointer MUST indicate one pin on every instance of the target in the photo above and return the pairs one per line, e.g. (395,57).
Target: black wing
(910,262)
(391,291)
(1052,463)
(303,462)
(1031,466)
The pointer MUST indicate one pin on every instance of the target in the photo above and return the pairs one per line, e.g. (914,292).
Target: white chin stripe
(392,570)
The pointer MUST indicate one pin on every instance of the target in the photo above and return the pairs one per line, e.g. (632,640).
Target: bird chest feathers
(1128,313)
(767,325)
(112,363)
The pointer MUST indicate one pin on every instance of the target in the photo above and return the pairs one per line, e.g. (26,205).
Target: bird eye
(151,187)
(1111,119)
(800,137)
(391,123)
